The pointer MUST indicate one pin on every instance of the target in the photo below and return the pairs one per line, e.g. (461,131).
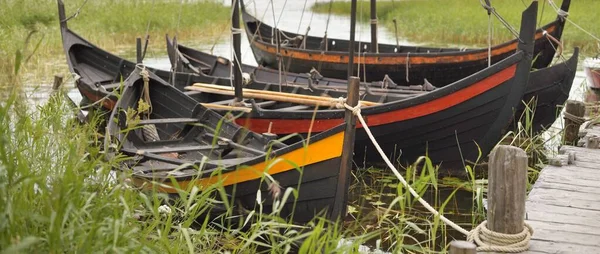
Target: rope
(563,14)
(485,238)
(489,241)
(301,16)
(551,39)
(74,15)
(145,76)
(577,119)
(492,10)
(179,18)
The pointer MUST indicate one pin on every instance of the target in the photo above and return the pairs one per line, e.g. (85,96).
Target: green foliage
(465,22)
(106,23)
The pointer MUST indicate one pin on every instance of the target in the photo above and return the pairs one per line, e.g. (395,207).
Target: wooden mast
(351,45)
(374,44)
(341,196)
(237,38)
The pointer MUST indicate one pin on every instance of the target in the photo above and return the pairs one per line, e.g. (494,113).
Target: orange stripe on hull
(322,150)
(391,59)
(107,103)
(283,126)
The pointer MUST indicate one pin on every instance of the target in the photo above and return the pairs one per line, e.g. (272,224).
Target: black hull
(435,64)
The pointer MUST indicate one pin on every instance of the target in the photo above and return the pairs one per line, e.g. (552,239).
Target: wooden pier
(563,207)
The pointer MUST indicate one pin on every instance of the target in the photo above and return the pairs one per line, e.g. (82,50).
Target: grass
(465,22)
(109,24)
(58,194)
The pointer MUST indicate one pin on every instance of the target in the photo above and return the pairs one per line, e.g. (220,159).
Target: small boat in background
(176,143)
(405,65)
(591,66)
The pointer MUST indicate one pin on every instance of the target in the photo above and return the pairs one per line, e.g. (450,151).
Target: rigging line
(492,10)
(148,29)
(74,15)
(179,18)
(251,40)
(281,13)
(564,14)
(301,16)
(276,33)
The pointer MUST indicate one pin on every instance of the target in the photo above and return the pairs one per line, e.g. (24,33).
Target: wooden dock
(563,207)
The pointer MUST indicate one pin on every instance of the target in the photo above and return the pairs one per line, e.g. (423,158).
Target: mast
(237,38)
(351,45)
(374,45)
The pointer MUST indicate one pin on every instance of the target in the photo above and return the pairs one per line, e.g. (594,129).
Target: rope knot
(355,110)
(339,102)
(488,240)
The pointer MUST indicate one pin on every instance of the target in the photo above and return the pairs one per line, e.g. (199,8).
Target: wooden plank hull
(476,109)
(440,66)
(240,169)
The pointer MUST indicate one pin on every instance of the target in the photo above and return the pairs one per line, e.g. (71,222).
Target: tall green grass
(110,24)
(465,22)
(60,195)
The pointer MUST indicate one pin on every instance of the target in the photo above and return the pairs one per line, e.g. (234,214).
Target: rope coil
(577,119)
(485,238)
(488,240)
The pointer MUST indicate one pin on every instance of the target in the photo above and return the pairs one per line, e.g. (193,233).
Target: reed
(465,22)
(109,24)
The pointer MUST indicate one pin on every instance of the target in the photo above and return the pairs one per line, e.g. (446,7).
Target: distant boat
(440,66)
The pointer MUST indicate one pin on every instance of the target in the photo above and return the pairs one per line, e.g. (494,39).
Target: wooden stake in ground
(507,190)
(574,112)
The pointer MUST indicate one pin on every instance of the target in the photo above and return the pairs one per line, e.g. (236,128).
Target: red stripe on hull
(107,103)
(286,126)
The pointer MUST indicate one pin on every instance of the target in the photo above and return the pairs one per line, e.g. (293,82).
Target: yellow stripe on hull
(322,150)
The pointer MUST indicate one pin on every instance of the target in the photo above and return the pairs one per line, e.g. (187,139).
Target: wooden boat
(178,138)
(591,66)
(549,86)
(470,114)
(440,66)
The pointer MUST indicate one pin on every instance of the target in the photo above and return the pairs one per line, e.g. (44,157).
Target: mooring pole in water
(138,50)
(374,45)
(507,189)
(237,38)
(339,207)
(351,45)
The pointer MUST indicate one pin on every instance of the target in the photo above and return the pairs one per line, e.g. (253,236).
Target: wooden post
(58,80)
(237,38)
(462,247)
(351,45)
(339,206)
(138,50)
(507,188)
(374,45)
(571,132)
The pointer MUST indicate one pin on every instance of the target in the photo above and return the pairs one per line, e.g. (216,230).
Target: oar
(225,107)
(272,95)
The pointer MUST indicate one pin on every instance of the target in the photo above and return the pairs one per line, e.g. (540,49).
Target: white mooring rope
(486,239)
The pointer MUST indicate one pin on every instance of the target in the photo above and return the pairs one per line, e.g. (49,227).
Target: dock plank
(564,205)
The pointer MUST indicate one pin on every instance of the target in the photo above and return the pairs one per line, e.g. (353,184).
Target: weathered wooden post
(574,112)
(462,247)
(339,207)
(507,188)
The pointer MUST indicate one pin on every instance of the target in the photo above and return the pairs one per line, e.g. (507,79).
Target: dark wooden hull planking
(191,136)
(440,66)
(474,110)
